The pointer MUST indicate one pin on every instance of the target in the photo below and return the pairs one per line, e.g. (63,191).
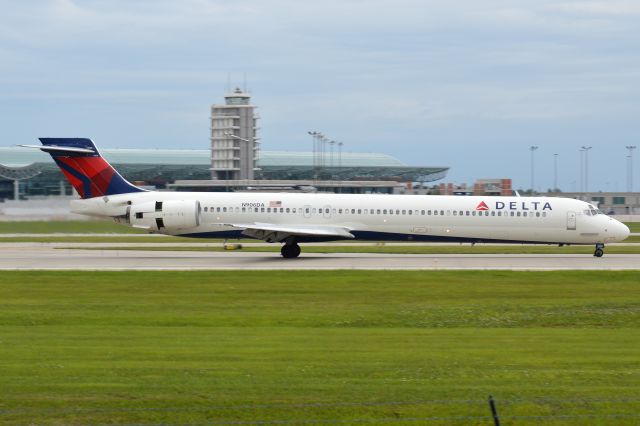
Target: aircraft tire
(290,251)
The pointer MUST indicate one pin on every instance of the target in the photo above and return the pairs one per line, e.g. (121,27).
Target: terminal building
(234,162)
(190,170)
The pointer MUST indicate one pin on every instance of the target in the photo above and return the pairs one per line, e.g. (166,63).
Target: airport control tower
(234,144)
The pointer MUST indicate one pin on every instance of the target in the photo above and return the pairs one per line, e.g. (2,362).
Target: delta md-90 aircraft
(292,218)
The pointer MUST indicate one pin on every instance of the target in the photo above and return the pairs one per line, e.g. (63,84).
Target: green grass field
(344,346)
(67,227)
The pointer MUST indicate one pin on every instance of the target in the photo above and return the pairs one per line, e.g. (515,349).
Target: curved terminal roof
(347,159)
(16,156)
(169,164)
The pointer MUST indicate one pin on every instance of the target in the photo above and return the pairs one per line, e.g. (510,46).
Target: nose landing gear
(599,250)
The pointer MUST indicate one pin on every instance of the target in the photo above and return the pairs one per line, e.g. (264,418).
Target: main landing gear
(599,250)
(290,250)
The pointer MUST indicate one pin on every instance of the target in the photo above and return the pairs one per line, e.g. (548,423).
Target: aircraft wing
(275,233)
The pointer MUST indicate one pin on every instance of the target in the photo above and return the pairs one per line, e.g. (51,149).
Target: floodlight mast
(316,137)
(586,150)
(555,172)
(533,149)
(630,148)
(320,160)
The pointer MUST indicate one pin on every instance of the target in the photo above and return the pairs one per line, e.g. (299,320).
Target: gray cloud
(426,80)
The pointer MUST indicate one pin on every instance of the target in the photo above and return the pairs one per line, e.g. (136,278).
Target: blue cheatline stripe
(86,182)
(373,236)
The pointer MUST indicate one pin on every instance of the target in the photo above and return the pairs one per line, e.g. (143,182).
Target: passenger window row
(396,212)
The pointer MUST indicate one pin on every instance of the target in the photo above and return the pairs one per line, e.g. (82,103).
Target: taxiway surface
(45,257)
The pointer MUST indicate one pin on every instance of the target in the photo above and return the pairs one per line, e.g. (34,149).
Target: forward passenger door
(571,221)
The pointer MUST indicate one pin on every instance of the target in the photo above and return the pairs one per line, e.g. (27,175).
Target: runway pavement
(48,257)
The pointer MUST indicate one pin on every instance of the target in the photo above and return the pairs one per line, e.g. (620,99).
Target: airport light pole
(316,136)
(323,138)
(630,148)
(533,149)
(331,144)
(325,142)
(586,167)
(581,188)
(555,172)
(340,154)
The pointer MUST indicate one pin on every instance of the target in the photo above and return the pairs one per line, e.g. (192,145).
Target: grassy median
(300,346)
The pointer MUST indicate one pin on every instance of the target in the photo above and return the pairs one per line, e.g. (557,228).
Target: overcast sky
(469,84)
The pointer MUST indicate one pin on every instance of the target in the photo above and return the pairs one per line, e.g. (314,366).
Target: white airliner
(291,218)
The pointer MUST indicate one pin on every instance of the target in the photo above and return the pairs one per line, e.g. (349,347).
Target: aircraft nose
(622,231)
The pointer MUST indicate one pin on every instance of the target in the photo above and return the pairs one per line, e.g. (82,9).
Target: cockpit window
(587,212)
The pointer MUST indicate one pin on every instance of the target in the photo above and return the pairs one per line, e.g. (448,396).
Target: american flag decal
(275,203)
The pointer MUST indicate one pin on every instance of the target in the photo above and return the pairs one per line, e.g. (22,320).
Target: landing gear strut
(599,250)
(290,251)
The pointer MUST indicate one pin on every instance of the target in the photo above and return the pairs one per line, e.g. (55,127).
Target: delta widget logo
(482,207)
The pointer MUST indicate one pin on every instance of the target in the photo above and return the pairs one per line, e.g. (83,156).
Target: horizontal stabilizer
(60,149)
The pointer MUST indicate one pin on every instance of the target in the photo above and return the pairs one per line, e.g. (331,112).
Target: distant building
(626,203)
(501,187)
(488,187)
(234,144)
